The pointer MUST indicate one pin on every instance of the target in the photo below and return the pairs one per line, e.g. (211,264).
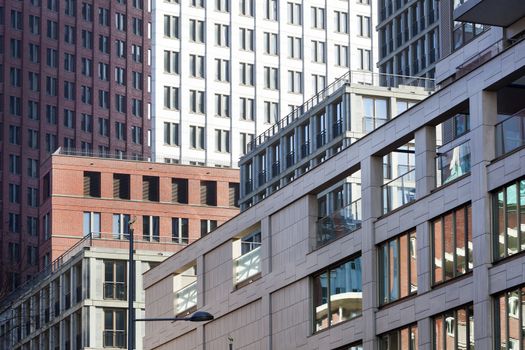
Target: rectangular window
(92,184)
(295,82)
(294,13)
(114,328)
(317,20)
(222,105)
(365,60)
(246,74)
(318,51)
(197,31)
(222,140)
(337,294)
(271,46)
(115,278)
(222,70)
(197,137)
(246,39)
(150,188)
(121,186)
(171,134)
(171,62)
(197,101)
(509,322)
(246,7)
(271,112)
(363,26)
(91,224)
(208,192)
(452,244)
(295,47)
(405,338)
(271,10)
(207,226)
(398,268)
(222,5)
(454,329)
(222,35)
(171,97)
(150,228)
(271,78)
(179,191)
(341,22)
(171,27)
(179,230)
(245,140)
(341,55)
(197,66)
(246,108)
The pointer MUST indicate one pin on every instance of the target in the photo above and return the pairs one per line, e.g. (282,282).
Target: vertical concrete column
(424,281)
(371,179)
(483,115)
(425,139)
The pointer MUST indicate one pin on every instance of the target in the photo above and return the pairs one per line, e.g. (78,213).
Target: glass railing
(247,265)
(399,191)
(510,134)
(186,298)
(339,223)
(452,164)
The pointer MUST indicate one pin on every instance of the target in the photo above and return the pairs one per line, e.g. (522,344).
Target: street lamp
(199,316)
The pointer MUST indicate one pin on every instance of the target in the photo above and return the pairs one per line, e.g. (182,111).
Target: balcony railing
(399,191)
(115,339)
(248,186)
(337,128)
(339,223)
(276,169)
(115,290)
(186,298)
(247,265)
(510,134)
(290,159)
(305,149)
(452,164)
(262,177)
(321,138)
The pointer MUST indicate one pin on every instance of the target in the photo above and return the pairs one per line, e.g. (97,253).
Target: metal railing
(510,133)
(115,290)
(247,265)
(399,191)
(186,298)
(115,339)
(340,223)
(452,164)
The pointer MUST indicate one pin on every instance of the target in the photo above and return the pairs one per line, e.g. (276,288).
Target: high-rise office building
(75,75)
(224,71)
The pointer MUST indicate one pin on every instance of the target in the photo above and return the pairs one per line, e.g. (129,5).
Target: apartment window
(452,244)
(246,108)
(92,184)
(171,97)
(69,34)
(398,268)
(179,230)
(222,5)
(120,103)
(32,226)
(179,191)
(103,43)
(46,225)
(14,134)
(197,101)
(222,35)
(318,51)
(294,13)
(196,137)
(271,10)
(341,55)
(32,197)
(14,252)
(197,3)
(14,164)
(15,106)
(222,140)
(509,219)
(271,46)
(454,329)
(246,74)
(271,78)
(375,112)
(136,107)
(14,223)
(365,59)
(87,12)
(197,66)
(246,7)
(103,71)
(52,30)
(341,22)
(103,99)
(115,274)
(317,20)
(138,4)
(120,131)
(120,21)
(103,16)
(150,228)
(87,67)
(34,24)
(51,86)
(197,31)
(52,58)
(208,192)
(69,91)
(171,62)
(32,168)
(246,39)
(51,142)
(271,112)
(70,7)
(222,72)
(136,135)
(15,75)
(115,328)
(245,139)
(14,193)
(136,53)
(171,27)
(69,143)
(121,186)
(295,81)
(87,39)
(34,53)
(91,223)
(171,134)
(69,62)
(318,82)
(222,105)
(464,32)
(508,311)
(16,20)
(337,294)
(207,226)
(363,26)
(405,338)
(137,26)
(86,122)
(32,138)
(150,188)
(120,48)
(33,110)
(233,194)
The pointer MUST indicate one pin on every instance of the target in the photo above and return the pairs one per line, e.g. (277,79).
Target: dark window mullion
(454,246)
(398,265)
(443,261)
(505,223)
(409,270)
(467,228)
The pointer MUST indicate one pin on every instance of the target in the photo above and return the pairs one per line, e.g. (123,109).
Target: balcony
(262,177)
(453,164)
(340,223)
(510,134)
(305,149)
(186,298)
(399,191)
(337,128)
(290,159)
(490,12)
(321,139)
(276,168)
(248,265)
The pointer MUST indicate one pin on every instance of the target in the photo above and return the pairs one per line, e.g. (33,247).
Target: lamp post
(198,316)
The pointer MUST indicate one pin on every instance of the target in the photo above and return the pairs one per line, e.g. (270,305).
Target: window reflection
(509,219)
(401,339)
(454,330)
(509,308)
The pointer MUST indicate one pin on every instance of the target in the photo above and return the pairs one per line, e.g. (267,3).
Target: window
(233,194)
(197,66)
(294,13)
(464,32)
(341,55)
(120,48)
(16,48)
(208,193)
(318,51)
(454,328)
(341,283)
(120,103)
(32,138)
(179,230)
(34,24)
(171,134)
(271,112)
(222,105)
(398,267)
(91,223)
(16,20)
(318,82)
(365,61)
(103,43)
(197,31)
(52,58)
(222,35)
(197,137)
(115,276)
(52,30)
(222,140)
(87,67)
(246,73)
(197,101)
(171,62)
(150,188)
(92,184)
(14,223)
(14,164)
(246,7)
(179,190)
(136,107)
(245,139)
(271,78)
(222,72)
(508,311)
(69,91)
(295,81)
(103,99)
(121,186)
(32,226)
(222,5)
(87,39)
(87,12)
(405,338)
(317,20)
(452,244)
(171,26)
(120,131)
(509,212)
(197,3)
(70,7)
(32,168)
(115,328)
(341,22)
(33,110)
(295,47)
(137,26)
(14,193)
(150,228)
(207,226)
(14,134)
(363,26)
(86,122)
(103,16)
(34,53)
(120,21)
(69,62)
(15,106)
(246,108)
(271,46)
(51,143)
(246,39)
(32,197)
(136,135)
(51,86)
(375,114)
(136,53)
(14,252)
(69,34)
(271,10)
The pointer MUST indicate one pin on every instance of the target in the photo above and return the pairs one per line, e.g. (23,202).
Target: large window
(91,223)
(120,226)
(509,219)
(247,258)
(337,294)
(454,329)
(452,244)
(398,267)
(375,113)
(115,328)
(403,339)
(115,280)
(509,323)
